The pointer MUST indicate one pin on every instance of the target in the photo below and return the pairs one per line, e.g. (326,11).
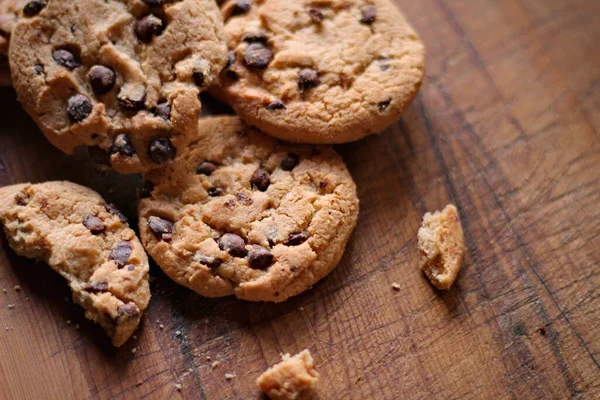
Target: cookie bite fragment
(121,78)
(294,378)
(441,246)
(240,213)
(88,242)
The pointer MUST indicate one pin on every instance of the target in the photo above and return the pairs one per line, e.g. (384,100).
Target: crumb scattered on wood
(11,306)
(396,286)
(17,288)
(178,387)
(77,326)
(4,290)
(229,376)
(178,333)
(161,326)
(134,350)
(301,308)
(139,383)
(215,364)
(208,358)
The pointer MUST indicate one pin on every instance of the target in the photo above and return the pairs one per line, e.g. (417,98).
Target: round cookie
(88,242)
(240,213)
(330,71)
(119,76)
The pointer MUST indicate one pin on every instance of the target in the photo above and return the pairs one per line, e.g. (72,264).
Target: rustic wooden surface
(507,127)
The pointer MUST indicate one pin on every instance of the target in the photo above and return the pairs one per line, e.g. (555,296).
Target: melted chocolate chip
(79,107)
(241,7)
(368,14)
(99,155)
(233,244)
(96,287)
(308,78)
(121,253)
(261,180)
(123,146)
(94,224)
(66,58)
(148,27)
(102,79)
(112,209)
(216,192)
(290,162)
(161,151)
(254,37)
(154,3)
(258,56)
(131,104)
(244,199)
(130,267)
(206,168)
(231,56)
(22,199)
(146,190)
(275,105)
(39,69)
(162,228)
(315,14)
(259,257)
(163,110)
(383,105)
(296,239)
(199,78)
(211,262)
(128,310)
(33,8)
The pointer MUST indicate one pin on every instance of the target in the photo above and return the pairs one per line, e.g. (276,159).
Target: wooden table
(507,127)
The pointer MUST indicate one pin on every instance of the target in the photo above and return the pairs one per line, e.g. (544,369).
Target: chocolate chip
(275,105)
(79,107)
(315,14)
(231,56)
(242,7)
(96,287)
(130,267)
(206,168)
(128,310)
(199,78)
(21,199)
(146,190)
(308,78)
(163,110)
(148,27)
(102,79)
(290,162)
(161,151)
(383,105)
(154,3)
(296,239)
(33,7)
(261,180)
(162,228)
(131,104)
(121,253)
(99,155)
(244,199)
(258,56)
(216,192)
(368,14)
(259,257)
(254,37)
(66,59)
(211,262)
(231,75)
(112,209)
(233,244)
(94,224)
(39,69)
(123,146)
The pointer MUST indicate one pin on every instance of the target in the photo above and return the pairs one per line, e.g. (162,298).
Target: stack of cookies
(255,205)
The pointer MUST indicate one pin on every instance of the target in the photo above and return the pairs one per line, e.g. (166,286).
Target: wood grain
(507,127)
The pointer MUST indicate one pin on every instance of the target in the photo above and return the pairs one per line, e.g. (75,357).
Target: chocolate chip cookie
(240,213)
(328,71)
(88,242)
(10,12)
(121,77)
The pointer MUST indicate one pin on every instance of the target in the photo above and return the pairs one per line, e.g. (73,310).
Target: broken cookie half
(294,378)
(88,242)
(441,246)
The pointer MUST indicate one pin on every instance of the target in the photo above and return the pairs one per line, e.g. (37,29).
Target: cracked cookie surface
(121,77)
(327,71)
(88,242)
(240,213)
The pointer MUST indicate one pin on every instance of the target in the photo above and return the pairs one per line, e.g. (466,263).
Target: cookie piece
(441,246)
(294,378)
(331,71)
(240,213)
(10,12)
(88,242)
(119,76)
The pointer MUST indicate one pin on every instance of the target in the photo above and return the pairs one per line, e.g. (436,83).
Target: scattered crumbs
(229,376)
(178,333)
(27,298)
(11,306)
(134,337)
(139,383)
(215,364)
(178,387)
(542,330)
(301,308)
(17,288)
(4,290)
(158,321)
(77,326)
(134,350)
(161,326)
(208,358)
(6,329)
(68,322)
(396,286)
(191,370)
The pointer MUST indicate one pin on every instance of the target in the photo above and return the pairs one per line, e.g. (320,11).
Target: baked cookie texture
(10,13)
(294,378)
(240,213)
(121,77)
(441,246)
(88,242)
(329,71)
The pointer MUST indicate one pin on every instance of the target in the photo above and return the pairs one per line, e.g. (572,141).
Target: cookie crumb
(77,327)
(208,358)
(4,290)
(134,337)
(27,298)
(178,387)
(139,383)
(294,377)
(6,329)
(134,350)
(178,333)
(161,326)
(17,288)
(396,286)
(441,246)
(300,308)
(11,306)
(215,364)
(229,376)
(68,322)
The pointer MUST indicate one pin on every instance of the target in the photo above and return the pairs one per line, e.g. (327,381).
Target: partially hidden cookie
(10,12)
(329,71)
(441,246)
(240,213)
(121,77)
(88,242)
(294,378)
